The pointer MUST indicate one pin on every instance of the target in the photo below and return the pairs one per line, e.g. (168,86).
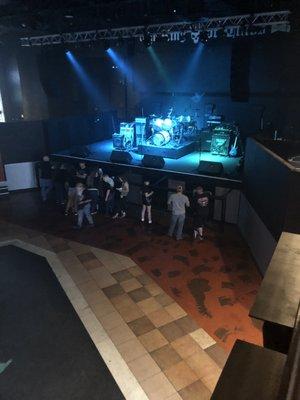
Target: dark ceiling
(45,16)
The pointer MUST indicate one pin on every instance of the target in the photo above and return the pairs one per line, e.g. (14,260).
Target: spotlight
(203,37)
(147,39)
(106,45)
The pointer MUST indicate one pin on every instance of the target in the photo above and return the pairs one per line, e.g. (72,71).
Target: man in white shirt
(178,203)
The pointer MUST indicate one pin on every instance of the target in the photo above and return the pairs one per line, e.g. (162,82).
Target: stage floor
(101,151)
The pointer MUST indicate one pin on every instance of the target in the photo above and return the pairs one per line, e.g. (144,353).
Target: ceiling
(49,16)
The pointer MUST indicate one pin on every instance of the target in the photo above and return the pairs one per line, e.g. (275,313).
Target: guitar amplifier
(205,140)
(124,139)
(220,144)
(140,129)
(118,141)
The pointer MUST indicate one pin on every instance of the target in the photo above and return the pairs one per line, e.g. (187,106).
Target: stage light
(106,45)
(147,39)
(89,86)
(203,37)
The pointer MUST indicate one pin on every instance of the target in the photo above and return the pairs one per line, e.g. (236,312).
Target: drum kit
(170,130)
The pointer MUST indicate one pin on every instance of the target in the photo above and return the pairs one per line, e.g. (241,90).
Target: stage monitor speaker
(153,161)
(240,71)
(122,157)
(210,168)
(80,152)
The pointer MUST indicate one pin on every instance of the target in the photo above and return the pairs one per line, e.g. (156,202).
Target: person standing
(108,189)
(201,201)
(178,202)
(45,178)
(92,181)
(82,173)
(100,185)
(83,206)
(122,190)
(71,189)
(59,179)
(147,194)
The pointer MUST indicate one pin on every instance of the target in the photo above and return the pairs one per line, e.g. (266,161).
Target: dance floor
(215,281)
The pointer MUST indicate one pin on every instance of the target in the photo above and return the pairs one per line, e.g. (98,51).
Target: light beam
(89,86)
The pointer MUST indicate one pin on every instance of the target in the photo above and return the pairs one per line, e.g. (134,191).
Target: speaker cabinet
(80,152)
(210,168)
(153,161)
(121,157)
(205,140)
(220,144)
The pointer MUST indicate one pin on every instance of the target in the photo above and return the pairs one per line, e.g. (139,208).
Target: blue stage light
(89,86)
(126,69)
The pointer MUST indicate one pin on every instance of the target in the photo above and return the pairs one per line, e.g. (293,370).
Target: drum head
(161,138)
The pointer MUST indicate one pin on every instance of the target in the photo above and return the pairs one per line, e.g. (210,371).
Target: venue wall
(39,84)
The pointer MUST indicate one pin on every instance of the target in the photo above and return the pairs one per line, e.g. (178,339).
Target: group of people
(86,191)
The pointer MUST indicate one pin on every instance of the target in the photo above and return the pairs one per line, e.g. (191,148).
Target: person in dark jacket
(201,203)
(82,173)
(59,180)
(45,177)
(92,183)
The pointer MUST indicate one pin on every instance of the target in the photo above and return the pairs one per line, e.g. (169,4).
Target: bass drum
(161,138)
(167,124)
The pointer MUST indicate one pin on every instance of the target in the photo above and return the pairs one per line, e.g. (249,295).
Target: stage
(188,164)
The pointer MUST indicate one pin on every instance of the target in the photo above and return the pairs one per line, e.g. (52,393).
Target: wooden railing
(271,372)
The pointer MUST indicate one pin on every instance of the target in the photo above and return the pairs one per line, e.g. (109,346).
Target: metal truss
(233,26)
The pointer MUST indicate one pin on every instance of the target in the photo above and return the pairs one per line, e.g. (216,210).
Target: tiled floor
(215,281)
(152,347)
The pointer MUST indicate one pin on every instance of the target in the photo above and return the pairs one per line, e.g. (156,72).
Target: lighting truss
(232,26)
